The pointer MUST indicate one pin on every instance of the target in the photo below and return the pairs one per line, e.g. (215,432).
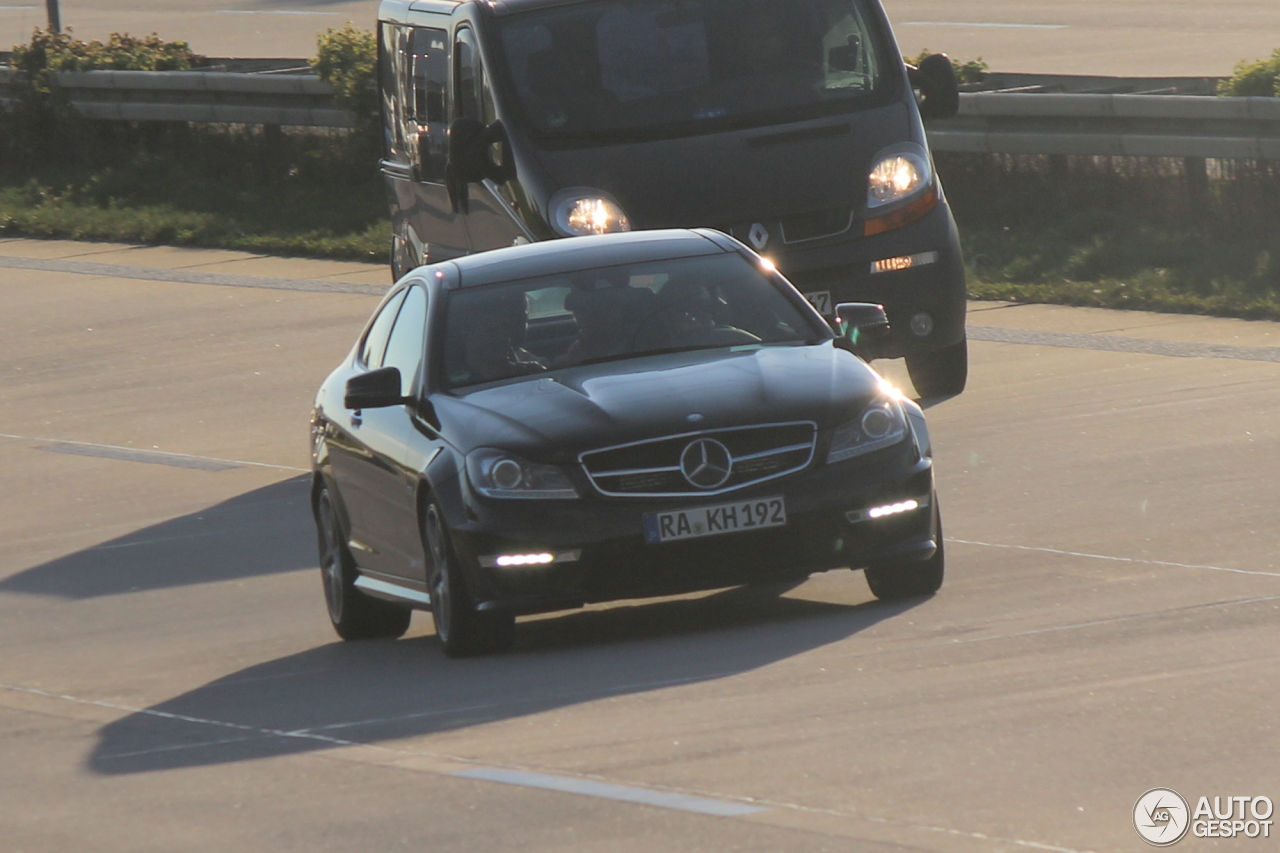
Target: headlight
(899,173)
(498,474)
(882,424)
(579,213)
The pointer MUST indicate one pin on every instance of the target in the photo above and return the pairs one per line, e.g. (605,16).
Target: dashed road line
(155,457)
(183,276)
(1115,343)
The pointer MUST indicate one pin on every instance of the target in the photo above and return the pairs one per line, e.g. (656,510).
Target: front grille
(652,468)
(816,225)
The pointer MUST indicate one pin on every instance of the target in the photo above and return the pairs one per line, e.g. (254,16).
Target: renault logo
(759,236)
(706,463)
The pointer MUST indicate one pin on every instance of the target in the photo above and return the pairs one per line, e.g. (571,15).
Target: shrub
(50,52)
(971,71)
(1254,79)
(347,59)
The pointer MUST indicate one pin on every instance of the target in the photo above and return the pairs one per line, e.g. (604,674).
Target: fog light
(534,558)
(922,325)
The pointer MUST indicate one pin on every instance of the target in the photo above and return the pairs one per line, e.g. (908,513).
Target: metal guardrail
(1123,125)
(301,100)
(989,122)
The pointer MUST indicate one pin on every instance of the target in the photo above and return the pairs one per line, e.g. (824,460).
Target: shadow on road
(376,692)
(262,532)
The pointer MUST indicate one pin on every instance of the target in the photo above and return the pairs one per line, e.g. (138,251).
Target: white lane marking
(424,754)
(978,24)
(191,456)
(1031,632)
(268,12)
(1114,559)
(609,791)
(115,756)
(563,698)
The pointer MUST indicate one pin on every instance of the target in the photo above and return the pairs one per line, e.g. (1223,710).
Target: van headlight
(899,172)
(881,424)
(498,474)
(583,212)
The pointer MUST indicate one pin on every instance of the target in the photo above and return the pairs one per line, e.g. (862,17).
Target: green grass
(289,194)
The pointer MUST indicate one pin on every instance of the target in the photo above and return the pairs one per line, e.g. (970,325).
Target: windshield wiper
(601,359)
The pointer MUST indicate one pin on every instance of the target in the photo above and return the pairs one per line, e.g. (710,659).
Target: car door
(390,480)
(364,448)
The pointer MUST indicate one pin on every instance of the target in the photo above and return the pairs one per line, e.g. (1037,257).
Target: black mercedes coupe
(648,413)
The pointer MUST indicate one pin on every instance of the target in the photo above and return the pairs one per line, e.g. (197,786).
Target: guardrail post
(1197,172)
(55,19)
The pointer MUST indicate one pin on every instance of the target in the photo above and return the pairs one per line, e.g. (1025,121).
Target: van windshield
(626,68)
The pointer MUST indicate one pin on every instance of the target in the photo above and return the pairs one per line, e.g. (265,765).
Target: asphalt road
(1153,38)
(169,680)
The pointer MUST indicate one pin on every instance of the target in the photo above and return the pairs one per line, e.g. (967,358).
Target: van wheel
(941,372)
(908,578)
(463,630)
(355,616)
(399,262)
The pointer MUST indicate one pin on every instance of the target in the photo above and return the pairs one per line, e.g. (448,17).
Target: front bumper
(842,268)
(614,561)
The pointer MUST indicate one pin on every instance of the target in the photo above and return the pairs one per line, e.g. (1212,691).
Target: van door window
(473,97)
(392,40)
(426,69)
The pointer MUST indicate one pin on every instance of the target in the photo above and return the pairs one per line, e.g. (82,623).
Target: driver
(493,336)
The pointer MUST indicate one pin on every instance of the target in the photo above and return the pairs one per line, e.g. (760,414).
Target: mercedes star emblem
(706,463)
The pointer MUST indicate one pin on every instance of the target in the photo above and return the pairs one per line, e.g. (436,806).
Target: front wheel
(463,630)
(355,616)
(908,578)
(940,373)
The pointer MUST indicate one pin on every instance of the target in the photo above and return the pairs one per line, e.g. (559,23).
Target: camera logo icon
(1161,817)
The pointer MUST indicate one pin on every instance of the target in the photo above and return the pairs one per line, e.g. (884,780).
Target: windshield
(537,325)
(622,67)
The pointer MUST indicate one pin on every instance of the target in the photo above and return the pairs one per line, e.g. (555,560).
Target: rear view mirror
(376,389)
(939,90)
(863,328)
(846,56)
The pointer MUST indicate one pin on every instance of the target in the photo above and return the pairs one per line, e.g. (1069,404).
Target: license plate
(822,301)
(715,520)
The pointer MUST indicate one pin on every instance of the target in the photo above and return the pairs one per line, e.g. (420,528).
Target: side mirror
(939,89)
(846,56)
(465,162)
(376,389)
(863,328)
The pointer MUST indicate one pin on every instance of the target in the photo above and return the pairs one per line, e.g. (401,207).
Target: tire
(398,264)
(355,616)
(941,372)
(908,578)
(463,630)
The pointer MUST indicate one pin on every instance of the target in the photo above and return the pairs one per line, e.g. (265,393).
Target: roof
(552,257)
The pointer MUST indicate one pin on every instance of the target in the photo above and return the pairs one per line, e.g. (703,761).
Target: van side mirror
(476,152)
(939,89)
(845,57)
(376,389)
(863,328)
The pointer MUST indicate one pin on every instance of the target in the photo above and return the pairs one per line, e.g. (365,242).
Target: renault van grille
(654,468)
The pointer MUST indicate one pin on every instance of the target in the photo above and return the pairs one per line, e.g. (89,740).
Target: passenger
(492,337)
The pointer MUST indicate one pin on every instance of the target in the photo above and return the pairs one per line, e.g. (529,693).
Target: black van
(792,125)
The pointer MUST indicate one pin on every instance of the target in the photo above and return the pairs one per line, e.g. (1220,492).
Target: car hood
(568,411)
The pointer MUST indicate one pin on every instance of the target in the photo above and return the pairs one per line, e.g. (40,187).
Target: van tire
(940,373)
